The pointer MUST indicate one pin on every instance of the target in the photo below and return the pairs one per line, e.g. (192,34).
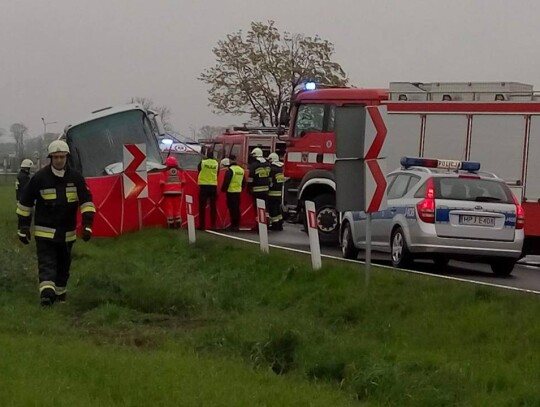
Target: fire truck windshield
(314,118)
(98,143)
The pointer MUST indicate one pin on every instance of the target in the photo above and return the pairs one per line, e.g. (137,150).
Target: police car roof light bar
(470,166)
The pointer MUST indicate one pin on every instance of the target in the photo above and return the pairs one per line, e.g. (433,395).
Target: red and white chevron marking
(135,176)
(375,186)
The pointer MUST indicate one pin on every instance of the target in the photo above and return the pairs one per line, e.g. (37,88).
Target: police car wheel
(401,257)
(503,267)
(348,249)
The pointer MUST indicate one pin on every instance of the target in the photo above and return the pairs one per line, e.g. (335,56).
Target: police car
(442,210)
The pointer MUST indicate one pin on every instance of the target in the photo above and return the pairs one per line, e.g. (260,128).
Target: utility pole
(45,125)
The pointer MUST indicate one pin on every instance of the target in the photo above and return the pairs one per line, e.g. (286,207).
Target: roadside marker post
(313,231)
(190,219)
(263,227)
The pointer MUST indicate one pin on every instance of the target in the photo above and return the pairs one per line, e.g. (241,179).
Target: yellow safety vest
(208,173)
(237,178)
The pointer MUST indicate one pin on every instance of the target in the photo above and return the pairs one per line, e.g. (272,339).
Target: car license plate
(477,220)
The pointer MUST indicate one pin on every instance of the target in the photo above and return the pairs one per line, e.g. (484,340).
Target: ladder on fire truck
(462,91)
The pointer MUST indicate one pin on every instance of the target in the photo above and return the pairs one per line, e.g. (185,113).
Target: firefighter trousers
(54,262)
(207,194)
(274,213)
(233,203)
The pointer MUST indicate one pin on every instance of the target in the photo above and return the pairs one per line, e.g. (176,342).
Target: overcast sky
(61,59)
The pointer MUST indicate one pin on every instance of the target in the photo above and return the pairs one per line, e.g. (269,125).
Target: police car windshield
(471,189)
(99,143)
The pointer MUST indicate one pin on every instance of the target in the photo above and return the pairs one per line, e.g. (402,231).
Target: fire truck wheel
(327,219)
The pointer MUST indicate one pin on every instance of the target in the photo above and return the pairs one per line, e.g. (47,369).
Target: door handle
(393,209)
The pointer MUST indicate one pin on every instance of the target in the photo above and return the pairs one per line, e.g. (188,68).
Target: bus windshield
(98,144)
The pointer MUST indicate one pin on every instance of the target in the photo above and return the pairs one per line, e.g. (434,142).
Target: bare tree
(209,132)
(256,74)
(18,131)
(163,111)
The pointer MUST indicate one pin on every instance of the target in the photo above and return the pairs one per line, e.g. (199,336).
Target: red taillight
(520,214)
(426,207)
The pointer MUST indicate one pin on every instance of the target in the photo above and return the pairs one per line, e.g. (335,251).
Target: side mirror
(159,126)
(284,116)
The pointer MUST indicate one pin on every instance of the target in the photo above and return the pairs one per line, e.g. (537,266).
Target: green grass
(149,312)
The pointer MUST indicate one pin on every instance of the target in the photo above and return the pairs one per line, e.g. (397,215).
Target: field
(153,320)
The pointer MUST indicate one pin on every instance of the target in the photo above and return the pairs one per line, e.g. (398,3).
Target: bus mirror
(159,126)
(284,116)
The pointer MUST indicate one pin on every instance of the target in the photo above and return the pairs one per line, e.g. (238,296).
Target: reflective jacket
(171,182)
(234,179)
(276,179)
(22,180)
(208,169)
(56,201)
(259,175)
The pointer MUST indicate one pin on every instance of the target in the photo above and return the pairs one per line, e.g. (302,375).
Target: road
(524,276)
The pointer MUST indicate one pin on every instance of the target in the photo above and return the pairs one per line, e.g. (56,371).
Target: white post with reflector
(263,228)
(313,231)
(190,219)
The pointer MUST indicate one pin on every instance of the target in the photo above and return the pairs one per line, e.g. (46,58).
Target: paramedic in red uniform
(171,187)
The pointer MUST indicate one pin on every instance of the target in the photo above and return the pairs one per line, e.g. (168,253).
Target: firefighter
(232,185)
(23,177)
(207,180)
(57,191)
(171,187)
(274,194)
(259,177)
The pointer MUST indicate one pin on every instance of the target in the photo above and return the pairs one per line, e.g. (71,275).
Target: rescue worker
(274,194)
(232,185)
(259,177)
(57,191)
(171,187)
(207,180)
(23,177)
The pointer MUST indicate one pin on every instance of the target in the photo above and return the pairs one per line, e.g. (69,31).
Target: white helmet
(26,163)
(58,146)
(225,162)
(273,157)
(257,152)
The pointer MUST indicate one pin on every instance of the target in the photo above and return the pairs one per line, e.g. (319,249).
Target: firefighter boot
(47,297)
(61,297)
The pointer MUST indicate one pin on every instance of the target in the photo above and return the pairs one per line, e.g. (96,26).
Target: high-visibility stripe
(42,231)
(260,189)
(47,284)
(60,290)
(20,234)
(88,229)
(88,207)
(71,194)
(71,236)
(48,194)
(310,157)
(23,210)
(276,218)
(274,193)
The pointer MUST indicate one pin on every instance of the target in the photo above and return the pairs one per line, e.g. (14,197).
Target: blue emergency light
(471,166)
(310,86)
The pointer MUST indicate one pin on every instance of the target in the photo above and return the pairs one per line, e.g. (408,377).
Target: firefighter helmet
(26,163)
(257,152)
(225,162)
(273,157)
(171,162)
(58,146)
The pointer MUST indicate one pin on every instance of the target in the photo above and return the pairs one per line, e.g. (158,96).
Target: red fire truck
(496,123)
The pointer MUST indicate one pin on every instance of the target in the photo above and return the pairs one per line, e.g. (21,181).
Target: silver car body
(463,229)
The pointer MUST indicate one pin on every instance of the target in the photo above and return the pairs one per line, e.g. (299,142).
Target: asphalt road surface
(526,275)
